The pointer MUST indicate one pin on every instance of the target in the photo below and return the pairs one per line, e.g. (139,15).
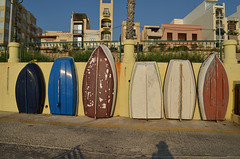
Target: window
(2,2)
(1,25)
(134,32)
(6,26)
(106,1)
(24,16)
(169,36)
(106,36)
(182,36)
(23,25)
(6,38)
(231,27)
(1,13)
(32,23)
(77,41)
(8,14)
(9,3)
(194,37)
(106,11)
(1,37)
(77,28)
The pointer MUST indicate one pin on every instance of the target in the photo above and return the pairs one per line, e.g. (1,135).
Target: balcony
(153,33)
(233,32)
(106,14)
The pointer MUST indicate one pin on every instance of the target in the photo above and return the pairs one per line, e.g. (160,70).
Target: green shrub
(81,56)
(3,57)
(167,56)
(36,56)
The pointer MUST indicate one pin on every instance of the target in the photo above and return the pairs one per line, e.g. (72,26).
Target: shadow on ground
(72,154)
(163,151)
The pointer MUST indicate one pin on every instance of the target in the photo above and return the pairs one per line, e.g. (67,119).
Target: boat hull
(62,87)
(145,95)
(30,89)
(179,90)
(213,89)
(99,87)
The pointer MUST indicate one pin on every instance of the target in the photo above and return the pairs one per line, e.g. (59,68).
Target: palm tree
(130,19)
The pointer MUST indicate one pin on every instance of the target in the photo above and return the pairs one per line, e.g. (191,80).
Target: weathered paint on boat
(30,89)
(62,87)
(179,90)
(145,95)
(99,85)
(213,89)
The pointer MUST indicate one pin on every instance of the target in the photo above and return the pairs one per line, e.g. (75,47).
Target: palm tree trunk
(130,19)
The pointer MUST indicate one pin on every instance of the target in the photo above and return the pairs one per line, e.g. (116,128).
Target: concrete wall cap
(129,42)
(229,42)
(14,44)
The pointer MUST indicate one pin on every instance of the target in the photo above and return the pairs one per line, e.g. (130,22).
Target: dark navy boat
(30,89)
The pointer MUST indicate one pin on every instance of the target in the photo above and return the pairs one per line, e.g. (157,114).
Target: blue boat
(30,89)
(63,87)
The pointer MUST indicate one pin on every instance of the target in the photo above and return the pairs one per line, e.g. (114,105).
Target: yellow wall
(9,73)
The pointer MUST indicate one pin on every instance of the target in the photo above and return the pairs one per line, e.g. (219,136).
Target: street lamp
(14,3)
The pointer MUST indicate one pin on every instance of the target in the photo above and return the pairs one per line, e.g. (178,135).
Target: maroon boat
(213,89)
(99,84)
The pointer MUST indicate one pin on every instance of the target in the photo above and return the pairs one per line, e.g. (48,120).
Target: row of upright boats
(148,99)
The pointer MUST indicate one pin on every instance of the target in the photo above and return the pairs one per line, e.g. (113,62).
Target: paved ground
(48,136)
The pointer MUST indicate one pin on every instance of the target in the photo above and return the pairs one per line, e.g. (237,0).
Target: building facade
(136,29)
(26,24)
(80,30)
(106,20)
(211,16)
(181,32)
(234,25)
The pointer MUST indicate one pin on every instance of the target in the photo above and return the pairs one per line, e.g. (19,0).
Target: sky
(55,15)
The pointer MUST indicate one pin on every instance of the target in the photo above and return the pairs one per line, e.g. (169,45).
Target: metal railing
(3,52)
(164,51)
(80,51)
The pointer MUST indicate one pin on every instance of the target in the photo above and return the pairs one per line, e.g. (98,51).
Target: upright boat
(145,95)
(213,89)
(63,87)
(179,90)
(30,89)
(99,87)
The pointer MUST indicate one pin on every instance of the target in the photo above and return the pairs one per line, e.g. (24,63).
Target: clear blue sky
(55,15)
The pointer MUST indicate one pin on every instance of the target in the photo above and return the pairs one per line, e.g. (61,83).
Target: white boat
(145,95)
(179,90)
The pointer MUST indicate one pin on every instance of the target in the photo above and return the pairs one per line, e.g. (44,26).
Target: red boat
(99,84)
(213,89)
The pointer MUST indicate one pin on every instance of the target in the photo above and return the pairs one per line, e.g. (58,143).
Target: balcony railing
(108,25)
(233,32)
(222,26)
(163,51)
(79,50)
(77,31)
(221,37)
